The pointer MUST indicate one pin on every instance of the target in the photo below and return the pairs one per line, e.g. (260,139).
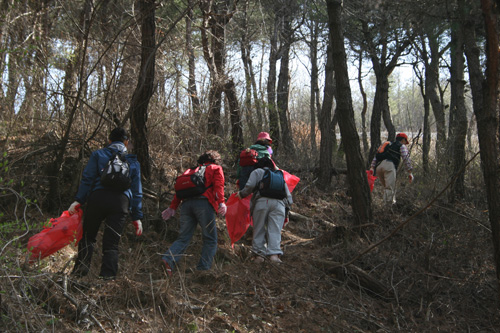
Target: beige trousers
(386,172)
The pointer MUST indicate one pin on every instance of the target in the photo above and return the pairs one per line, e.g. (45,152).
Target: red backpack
(248,157)
(191,183)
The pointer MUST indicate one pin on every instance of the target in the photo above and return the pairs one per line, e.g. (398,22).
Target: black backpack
(116,174)
(389,151)
(272,184)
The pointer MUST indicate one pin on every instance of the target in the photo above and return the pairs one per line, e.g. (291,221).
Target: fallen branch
(355,277)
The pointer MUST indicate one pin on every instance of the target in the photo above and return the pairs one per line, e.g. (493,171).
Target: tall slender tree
(326,124)
(145,85)
(458,113)
(192,91)
(485,102)
(356,175)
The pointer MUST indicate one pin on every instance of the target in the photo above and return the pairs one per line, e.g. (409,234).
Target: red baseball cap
(404,136)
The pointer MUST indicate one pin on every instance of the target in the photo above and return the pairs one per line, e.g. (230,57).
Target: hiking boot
(275,258)
(258,260)
(166,267)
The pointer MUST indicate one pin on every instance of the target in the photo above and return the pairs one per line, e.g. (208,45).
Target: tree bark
(216,15)
(356,175)
(364,136)
(313,51)
(325,125)
(282,92)
(458,113)
(274,127)
(250,85)
(192,91)
(234,109)
(431,88)
(485,109)
(144,90)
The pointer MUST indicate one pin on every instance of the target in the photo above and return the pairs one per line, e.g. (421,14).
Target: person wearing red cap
(386,162)
(263,147)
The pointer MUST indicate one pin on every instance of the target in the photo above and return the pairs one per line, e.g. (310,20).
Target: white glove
(222,209)
(410,178)
(72,209)
(138,227)
(167,213)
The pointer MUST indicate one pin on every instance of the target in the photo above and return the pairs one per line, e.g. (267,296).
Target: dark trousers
(111,207)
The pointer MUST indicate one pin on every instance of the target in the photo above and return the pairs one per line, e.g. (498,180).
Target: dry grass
(438,270)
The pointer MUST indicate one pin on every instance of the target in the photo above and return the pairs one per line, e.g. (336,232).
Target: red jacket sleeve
(175,202)
(214,177)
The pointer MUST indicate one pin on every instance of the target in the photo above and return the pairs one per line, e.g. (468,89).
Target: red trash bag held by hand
(238,217)
(290,180)
(60,232)
(371,179)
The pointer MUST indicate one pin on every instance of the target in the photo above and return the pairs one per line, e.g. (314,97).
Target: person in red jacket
(199,210)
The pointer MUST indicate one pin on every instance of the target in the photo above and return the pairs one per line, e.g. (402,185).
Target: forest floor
(416,268)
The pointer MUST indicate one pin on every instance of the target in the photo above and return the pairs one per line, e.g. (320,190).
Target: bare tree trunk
(249,80)
(234,109)
(192,91)
(458,113)
(485,108)
(274,127)
(325,125)
(144,90)
(283,87)
(216,15)
(313,51)
(365,105)
(431,82)
(356,175)
(376,120)
(426,145)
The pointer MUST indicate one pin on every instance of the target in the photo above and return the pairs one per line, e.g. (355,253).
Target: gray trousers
(268,218)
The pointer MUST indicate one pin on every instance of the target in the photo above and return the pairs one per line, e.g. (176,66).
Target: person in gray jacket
(268,214)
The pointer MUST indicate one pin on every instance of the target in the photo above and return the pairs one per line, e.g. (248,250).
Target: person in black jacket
(106,204)
(385,165)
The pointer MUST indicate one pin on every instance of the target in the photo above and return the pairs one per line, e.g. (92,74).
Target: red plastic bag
(290,180)
(60,232)
(371,179)
(238,217)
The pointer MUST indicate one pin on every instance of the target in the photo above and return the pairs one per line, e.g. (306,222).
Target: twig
(465,216)
(82,310)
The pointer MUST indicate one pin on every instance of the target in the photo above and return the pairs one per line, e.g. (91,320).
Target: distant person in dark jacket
(106,204)
(386,165)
